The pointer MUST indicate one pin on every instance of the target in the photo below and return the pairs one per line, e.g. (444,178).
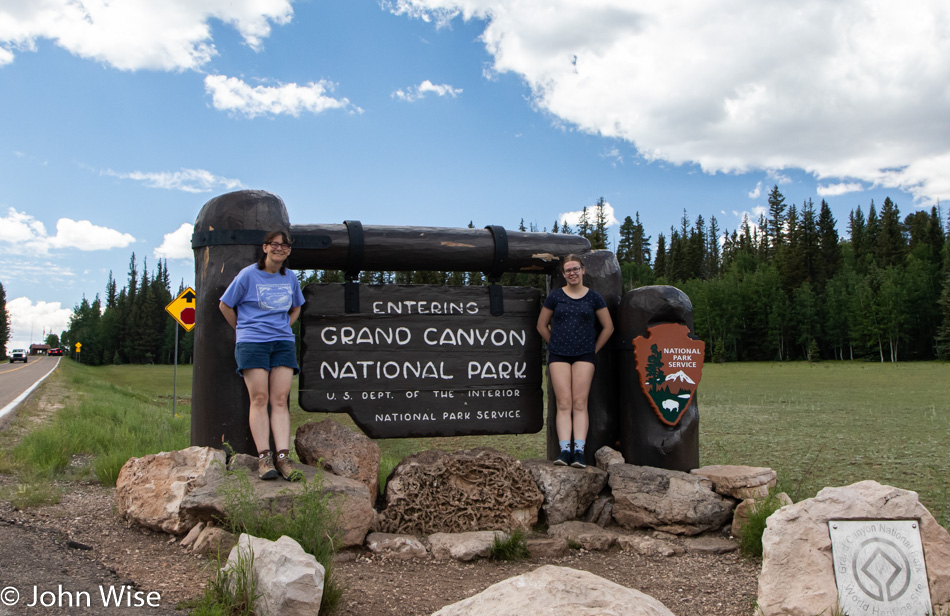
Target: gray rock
(479,489)
(214,542)
(150,490)
(341,451)
(588,536)
(600,511)
(557,591)
(739,482)
(401,547)
(568,492)
(648,546)
(289,580)
(671,501)
(710,545)
(607,457)
(463,546)
(796,546)
(547,547)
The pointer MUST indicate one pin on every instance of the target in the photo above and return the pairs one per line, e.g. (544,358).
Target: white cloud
(28,321)
(236,96)
(426,87)
(849,91)
(136,34)
(756,192)
(831,190)
(19,230)
(573,218)
(187,180)
(177,244)
(84,235)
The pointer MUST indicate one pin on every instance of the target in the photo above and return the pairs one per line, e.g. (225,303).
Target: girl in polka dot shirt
(568,324)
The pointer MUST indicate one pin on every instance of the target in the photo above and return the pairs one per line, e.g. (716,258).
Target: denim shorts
(265,355)
(570,359)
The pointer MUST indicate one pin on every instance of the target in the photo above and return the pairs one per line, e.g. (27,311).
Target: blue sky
(118,121)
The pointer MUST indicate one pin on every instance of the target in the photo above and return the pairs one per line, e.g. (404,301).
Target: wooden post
(602,274)
(219,400)
(644,439)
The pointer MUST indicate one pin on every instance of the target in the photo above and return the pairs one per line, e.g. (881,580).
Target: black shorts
(570,359)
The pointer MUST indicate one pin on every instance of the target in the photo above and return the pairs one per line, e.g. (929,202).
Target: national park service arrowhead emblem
(669,366)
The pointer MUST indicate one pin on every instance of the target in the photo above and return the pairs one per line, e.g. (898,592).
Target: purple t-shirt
(573,325)
(263,302)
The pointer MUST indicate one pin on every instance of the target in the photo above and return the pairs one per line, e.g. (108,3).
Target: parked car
(18,355)
(56,351)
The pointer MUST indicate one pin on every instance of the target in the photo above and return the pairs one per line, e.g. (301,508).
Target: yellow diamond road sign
(182,309)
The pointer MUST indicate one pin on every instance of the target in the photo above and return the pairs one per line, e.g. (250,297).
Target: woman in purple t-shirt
(568,324)
(261,304)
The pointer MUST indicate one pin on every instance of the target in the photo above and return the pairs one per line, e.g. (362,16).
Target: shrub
(511,547)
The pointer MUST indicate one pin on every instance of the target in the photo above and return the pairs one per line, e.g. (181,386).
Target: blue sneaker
(563,458)
(578,460)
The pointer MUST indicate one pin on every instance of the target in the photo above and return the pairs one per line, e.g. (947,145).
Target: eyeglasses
(278,246)
(572,270)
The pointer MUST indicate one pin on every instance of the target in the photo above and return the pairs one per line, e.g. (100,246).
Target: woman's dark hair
(568,259)
(270,237)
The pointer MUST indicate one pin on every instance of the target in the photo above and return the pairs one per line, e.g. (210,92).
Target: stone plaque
(879,567)
(420,360)
(669,367)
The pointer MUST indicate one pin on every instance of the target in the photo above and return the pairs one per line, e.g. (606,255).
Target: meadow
(817,425)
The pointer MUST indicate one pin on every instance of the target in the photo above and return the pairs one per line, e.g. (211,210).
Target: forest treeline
(783,287)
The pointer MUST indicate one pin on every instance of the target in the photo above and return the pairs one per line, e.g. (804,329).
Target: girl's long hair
(270,237)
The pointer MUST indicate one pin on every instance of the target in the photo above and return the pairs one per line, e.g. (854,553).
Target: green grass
(817,424)
(832,424)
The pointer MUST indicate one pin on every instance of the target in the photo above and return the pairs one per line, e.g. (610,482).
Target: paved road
(18,379)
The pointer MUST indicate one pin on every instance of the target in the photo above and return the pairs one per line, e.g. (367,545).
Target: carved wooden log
(436,248)
(219,400)
(602,274)
(644,439)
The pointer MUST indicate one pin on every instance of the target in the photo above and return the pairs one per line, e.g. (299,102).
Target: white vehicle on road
(18,355)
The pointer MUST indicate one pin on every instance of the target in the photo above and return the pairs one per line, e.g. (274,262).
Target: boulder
(607,457)
(341,451)
(150,490)
(568,492)
(349,499)
(289,581)
(214,542)
(707,544)
(739,482)
(556,591)
(648,546)
(671,501)
(479,489)
(400,547)
(463,546)
(586,535)
(547,547)
(741,515)
(796,546)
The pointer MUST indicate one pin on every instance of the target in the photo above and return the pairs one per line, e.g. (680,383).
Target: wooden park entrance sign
(469,357)
(423,360)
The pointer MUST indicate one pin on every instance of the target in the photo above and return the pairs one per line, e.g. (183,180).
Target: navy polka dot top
(573,325)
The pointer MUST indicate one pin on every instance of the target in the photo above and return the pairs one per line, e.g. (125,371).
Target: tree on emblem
(655,376)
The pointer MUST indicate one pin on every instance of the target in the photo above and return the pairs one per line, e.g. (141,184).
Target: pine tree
(775,224)
(598,238)
(891,245)
(659,263)
(829,252)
